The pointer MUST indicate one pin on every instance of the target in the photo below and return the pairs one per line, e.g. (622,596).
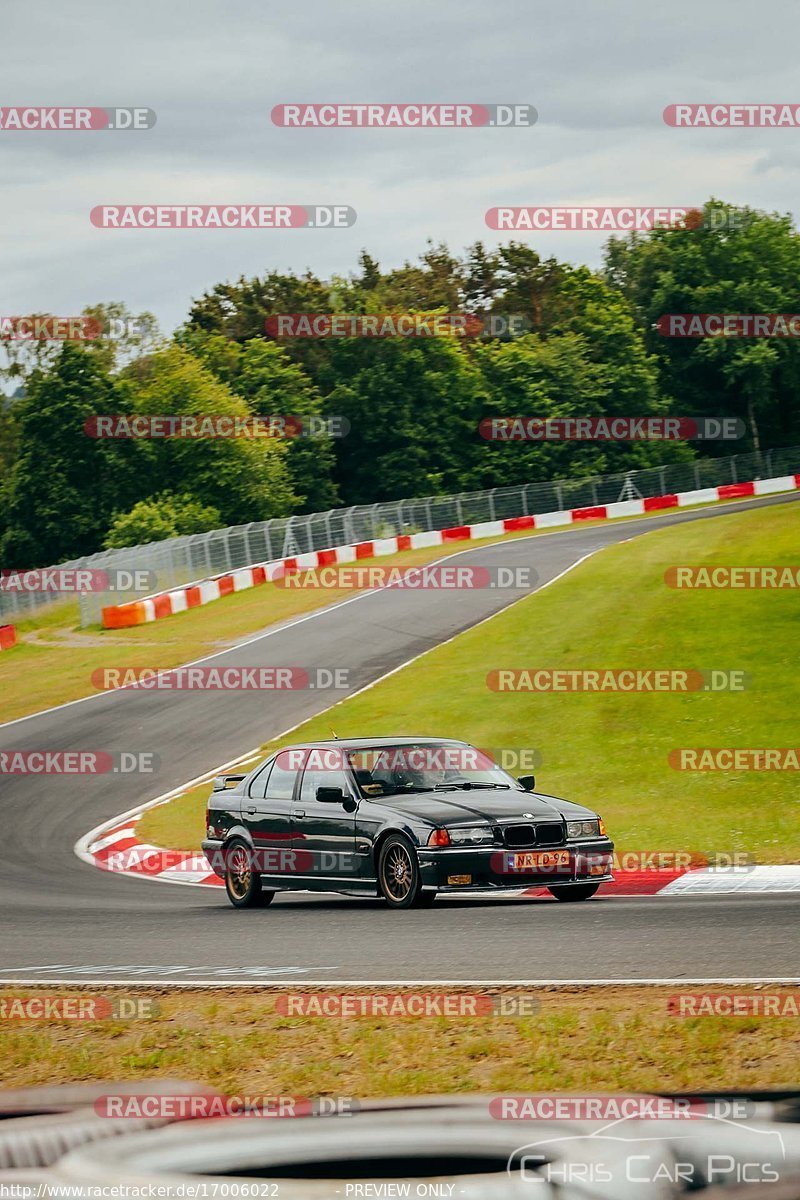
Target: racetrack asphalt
(65,920)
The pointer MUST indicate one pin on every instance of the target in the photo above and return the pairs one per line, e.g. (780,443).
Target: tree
(110,330)
(736,260)
(59,496)
(244,479)
(272,383)
(124,336)
(414,408)
(160,517)
(267,378)
(592,363)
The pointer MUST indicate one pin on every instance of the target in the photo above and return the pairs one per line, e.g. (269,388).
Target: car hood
(478,804)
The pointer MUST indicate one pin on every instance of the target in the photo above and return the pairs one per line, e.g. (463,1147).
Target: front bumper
(492,868)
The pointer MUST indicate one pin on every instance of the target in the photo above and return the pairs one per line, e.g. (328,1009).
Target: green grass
(595,1039)
(54,660)
(610,750)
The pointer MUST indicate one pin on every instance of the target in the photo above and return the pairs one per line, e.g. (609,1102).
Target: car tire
(242,883)
(39,1125)
(399,875)
(571,893)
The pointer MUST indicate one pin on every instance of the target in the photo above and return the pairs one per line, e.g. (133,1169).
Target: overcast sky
(599,75)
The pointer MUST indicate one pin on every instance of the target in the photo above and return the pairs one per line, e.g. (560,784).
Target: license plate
(543,861)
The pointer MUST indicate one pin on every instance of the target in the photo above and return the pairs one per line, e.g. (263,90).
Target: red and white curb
(120,850)
(169,603)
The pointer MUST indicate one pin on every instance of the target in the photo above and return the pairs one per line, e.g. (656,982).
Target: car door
(267,811)
(323,834)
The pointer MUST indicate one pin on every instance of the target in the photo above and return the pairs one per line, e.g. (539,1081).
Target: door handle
(299,812)
(251,811)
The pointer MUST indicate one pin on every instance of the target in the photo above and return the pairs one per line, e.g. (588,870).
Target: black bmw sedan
(399,817)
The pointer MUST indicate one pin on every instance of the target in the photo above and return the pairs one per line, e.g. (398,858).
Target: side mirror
(330,795)
(528,782)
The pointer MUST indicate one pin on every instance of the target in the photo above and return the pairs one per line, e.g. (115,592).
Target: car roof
(368,743)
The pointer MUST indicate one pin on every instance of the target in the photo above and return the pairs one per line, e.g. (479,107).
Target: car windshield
(426,767)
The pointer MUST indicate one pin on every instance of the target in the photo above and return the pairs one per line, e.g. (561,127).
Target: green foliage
(160,517)
(414,409)
(263,374)
(737,260)
(414,405)
(58,498)
(244,479)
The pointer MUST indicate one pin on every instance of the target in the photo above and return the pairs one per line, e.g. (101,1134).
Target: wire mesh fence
(182,560)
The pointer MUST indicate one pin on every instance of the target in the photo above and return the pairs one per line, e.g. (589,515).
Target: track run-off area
(66,921)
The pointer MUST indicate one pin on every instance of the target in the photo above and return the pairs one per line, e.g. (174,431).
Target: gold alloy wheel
(239,873)
(398,872)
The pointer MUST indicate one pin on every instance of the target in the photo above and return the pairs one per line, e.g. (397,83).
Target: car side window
(313,779)
(282,778)
(258,786)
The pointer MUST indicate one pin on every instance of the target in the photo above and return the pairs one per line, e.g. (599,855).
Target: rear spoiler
(223,782)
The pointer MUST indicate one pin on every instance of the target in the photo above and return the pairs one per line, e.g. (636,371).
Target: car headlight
(472,835)
(583,829)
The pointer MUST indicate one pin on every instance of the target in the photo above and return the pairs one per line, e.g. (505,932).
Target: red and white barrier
(166,604)
(8,637)
(120,850)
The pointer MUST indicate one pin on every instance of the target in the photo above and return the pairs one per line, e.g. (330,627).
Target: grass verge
(610,750)
(54,660)
(597,1039)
